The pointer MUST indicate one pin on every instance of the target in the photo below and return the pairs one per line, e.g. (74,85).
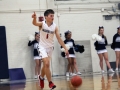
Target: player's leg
(117,59)
(70,72)
(72,66)
(41,77)
(101,61)
(46,69)
(107,62)
(68,67)
(48,74)
(46,53)
(76,67)
(35,70)
(43,55)
(37,67)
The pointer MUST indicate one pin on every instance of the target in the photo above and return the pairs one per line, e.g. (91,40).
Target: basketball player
(37,58)
(46,43)
(101,50)
(71,59)
(116,47)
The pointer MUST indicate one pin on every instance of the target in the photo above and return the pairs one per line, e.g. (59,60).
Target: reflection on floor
(90,82)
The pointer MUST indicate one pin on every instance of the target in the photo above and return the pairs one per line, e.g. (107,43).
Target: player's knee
(117,57)
(37,65)
(101,60)
(74,63)
(106,59)
(47,64)
(70,63)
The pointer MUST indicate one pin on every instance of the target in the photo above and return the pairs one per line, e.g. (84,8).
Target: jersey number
(47,36)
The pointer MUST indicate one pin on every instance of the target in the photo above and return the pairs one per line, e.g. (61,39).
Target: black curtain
(4,72)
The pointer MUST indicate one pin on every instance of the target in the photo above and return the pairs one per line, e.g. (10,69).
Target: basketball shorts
(45,52)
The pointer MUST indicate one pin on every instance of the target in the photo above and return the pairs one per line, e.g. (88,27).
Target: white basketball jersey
(47,34)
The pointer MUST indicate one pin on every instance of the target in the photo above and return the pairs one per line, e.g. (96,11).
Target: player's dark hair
(48,11)
(101,27)
(36,33)
(118,28)
(66,33)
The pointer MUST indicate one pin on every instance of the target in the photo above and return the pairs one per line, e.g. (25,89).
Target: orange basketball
(76,81)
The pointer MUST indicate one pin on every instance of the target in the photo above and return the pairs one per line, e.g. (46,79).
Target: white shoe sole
(67,75)
(110,72)
(79,73)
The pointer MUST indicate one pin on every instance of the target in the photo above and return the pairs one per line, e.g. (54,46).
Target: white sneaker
(68,79)
(78,73)
(116,69)
(102,71)
(70,74)
(67,74)
(73,74)
(117,73)
(36,76)
(110,71)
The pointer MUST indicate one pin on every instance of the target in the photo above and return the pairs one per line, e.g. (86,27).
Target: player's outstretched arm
(61,41)
(35,22)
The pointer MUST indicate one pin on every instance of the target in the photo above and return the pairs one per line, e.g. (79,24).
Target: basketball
(76,81)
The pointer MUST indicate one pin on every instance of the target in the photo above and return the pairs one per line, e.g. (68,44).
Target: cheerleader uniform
(35,45)
(116,42)
(100,45)
(71,45)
